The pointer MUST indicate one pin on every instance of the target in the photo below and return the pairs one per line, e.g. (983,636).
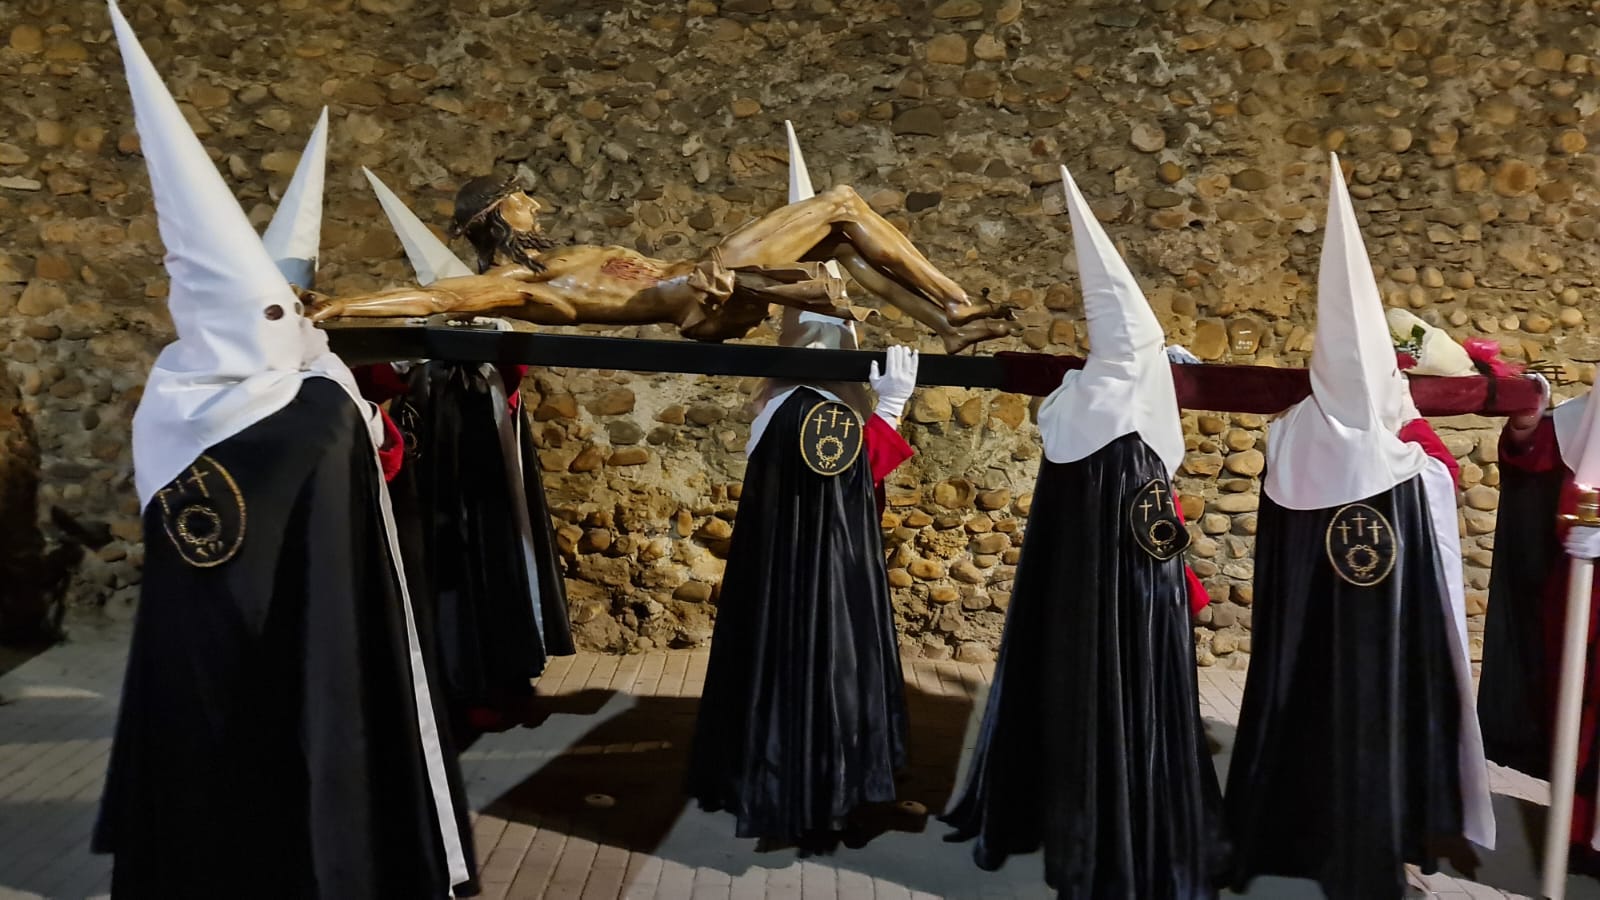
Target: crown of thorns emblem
(829,450)
(1362,560)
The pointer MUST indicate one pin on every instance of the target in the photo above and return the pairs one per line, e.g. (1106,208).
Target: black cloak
(270,741)
(1514,704)
(802,718)
(1346,764)
(1097,754)
(497,624)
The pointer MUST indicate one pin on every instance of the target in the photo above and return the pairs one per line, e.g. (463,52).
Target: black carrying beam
(1262,390)
(364,345)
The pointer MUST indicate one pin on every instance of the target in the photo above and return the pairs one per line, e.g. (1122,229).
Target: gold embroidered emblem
(203,514)
(408,420)
(1155,522)
(1361,545)
(830,437)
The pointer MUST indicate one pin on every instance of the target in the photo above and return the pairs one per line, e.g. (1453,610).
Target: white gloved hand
(1544,389)
(1181,356)
(895,384)
(1583,542)
(1522,424)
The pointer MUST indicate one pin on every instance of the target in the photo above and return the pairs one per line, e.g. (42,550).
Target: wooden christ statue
(776,258)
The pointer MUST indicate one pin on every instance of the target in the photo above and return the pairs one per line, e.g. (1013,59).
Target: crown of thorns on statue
(480,197)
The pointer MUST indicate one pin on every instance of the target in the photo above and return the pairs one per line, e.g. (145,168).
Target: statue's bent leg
(791,233)
(956,337)
(887,249)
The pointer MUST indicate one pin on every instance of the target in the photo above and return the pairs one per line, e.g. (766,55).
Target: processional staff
(1569,700)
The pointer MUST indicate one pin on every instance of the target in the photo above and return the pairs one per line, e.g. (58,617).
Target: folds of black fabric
(1346,765)
(803,714)
(495,627)
(268,743)
(1513,700)
(1097,754)
(555,628)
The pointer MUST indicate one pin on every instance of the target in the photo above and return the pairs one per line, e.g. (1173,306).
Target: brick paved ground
(619,727)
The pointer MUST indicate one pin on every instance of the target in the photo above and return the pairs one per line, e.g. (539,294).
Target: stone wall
(1199,130)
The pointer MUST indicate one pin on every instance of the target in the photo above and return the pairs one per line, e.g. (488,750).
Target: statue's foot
(971,312)
(973,333)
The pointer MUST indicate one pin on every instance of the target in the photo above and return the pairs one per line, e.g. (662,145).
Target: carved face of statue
(502,223)
(520,212)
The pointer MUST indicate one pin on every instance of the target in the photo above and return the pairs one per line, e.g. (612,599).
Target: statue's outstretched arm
(522,298)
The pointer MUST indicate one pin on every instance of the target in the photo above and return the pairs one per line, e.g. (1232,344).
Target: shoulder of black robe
(268,742)
(1345,766)
(486,617)
(1512,689)
(802,718)
(1097,754)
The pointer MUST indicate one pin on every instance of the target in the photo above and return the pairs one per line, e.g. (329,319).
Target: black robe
(269,742)
(802,718)
(1514,702)
(496,627)
(1097,754)
(1346,764)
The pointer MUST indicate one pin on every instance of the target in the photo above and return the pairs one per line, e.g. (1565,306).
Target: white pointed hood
(242,348)
(429,256)
(1577,424)
(1341,444)
(1126,384)
(294,237)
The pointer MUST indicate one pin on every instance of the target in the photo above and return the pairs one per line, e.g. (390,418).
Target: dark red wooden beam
(1266,390)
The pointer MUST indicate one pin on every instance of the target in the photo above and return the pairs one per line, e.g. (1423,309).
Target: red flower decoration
(1485,355)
